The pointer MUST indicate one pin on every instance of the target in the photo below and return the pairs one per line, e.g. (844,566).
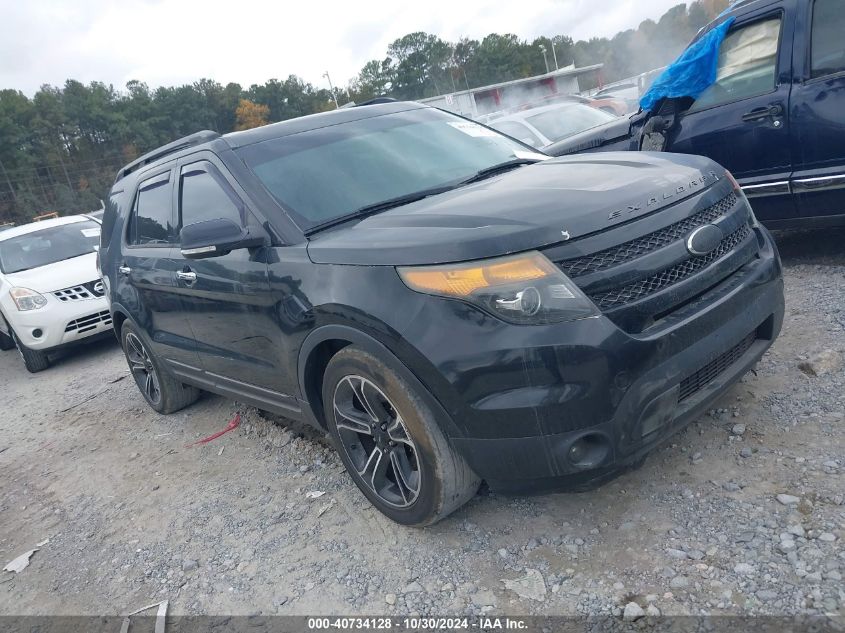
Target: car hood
(527,208)
(612,131)
(59,275)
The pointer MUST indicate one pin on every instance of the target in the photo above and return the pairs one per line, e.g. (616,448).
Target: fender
(376,348)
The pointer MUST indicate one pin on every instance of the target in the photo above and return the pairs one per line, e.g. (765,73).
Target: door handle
(775,110)
(187,275)
(124,270)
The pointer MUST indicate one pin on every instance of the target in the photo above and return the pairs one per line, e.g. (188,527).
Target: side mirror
(212,238)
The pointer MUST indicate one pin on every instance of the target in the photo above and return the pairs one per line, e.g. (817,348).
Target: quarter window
(828,38)
(747,64)
(205,196)
(152,217)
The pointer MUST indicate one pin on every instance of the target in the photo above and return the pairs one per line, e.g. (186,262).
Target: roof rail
(191,140)
(376,100)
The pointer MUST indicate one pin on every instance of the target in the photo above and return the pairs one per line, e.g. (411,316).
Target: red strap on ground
(233,423)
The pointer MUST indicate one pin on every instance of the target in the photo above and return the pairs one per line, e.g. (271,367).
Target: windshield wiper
(487,172)
(384,205)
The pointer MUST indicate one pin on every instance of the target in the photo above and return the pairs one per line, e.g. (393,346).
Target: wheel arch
(323,343)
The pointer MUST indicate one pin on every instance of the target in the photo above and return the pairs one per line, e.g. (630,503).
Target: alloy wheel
(376,441)
(142,368)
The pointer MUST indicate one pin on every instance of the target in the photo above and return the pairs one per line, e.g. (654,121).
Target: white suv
(51,294)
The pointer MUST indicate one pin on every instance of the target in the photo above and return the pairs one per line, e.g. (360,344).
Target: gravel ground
(742,513)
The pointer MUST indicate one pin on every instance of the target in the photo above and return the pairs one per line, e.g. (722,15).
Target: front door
(227,298)
(741,121)
(817,113)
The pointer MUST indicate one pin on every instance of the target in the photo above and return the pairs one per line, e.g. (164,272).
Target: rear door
(817,112)
(227,299)
(148,271)
(741,121)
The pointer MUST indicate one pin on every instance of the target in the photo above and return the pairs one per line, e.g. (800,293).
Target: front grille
(88,323)
(647,243)
(90,290)
(678,272)
(708,373)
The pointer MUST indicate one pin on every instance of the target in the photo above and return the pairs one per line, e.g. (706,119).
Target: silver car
(545,125)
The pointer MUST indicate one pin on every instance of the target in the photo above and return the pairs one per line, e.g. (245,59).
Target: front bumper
(59,323)
(570,405)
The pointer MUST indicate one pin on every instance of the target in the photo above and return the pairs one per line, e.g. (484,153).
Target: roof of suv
(315,121)
(206,138)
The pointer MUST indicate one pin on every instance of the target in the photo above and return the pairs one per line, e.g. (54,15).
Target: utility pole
(8,182)
(545,58)
(331,89)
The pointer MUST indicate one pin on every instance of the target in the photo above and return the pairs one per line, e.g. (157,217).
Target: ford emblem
(705,239)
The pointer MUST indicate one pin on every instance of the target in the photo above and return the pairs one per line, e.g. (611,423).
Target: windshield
(48,246)
(333,171)
(560,123)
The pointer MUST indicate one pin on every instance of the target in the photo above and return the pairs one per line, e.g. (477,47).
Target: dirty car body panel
(529,407)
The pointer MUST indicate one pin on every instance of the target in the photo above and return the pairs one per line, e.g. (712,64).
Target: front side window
(330,172)
(828,38)
(205,196)
(48,246)
(747,64)
(152,216)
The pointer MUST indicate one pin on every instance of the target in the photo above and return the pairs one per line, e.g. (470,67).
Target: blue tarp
(692,72)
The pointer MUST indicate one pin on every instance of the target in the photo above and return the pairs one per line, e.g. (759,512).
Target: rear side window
(205,195)
(152,216)
(747,64)
(828,38)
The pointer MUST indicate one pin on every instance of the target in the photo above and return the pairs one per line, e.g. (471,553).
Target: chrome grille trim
(640,246)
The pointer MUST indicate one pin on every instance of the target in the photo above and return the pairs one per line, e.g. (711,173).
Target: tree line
(60,148)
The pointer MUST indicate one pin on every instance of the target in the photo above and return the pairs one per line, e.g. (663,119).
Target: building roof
(561,72)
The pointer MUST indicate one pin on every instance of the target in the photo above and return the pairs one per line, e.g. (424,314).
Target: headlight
(741,195)
(26,299)
(526,289)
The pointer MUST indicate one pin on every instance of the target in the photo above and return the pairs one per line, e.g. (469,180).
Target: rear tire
(162,391)
(422,479)
(34,360)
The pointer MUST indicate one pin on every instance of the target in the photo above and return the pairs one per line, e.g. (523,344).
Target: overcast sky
(170,42)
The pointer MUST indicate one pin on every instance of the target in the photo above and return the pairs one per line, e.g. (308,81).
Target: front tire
(34,360)
(391,443)
(6,340)
(160,389)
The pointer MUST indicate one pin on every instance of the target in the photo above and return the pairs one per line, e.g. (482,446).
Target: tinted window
(204,196)
(49,246)
(828,47)
(518,131)
(332,171)
(747,64)
(152,218)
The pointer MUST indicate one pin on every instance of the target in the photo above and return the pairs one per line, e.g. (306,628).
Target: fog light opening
(37,333)
(588,451)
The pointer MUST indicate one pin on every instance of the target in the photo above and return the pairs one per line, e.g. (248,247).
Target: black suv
(447,303)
